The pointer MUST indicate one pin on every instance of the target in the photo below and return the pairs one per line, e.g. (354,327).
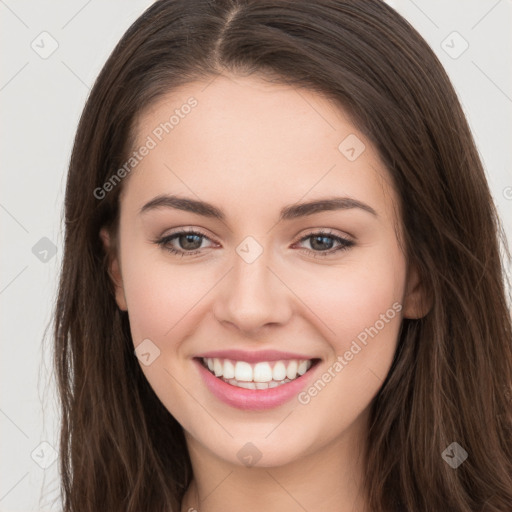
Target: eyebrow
(290,212)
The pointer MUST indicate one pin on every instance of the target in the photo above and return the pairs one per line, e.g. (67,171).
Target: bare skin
(252,148)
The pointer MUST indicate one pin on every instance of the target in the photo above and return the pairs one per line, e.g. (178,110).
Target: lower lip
(253,399)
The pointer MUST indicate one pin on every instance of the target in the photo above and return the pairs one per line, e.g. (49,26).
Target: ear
(417,302)
(114,270)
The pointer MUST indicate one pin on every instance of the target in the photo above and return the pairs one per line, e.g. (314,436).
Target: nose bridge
(252,295)
(250,273)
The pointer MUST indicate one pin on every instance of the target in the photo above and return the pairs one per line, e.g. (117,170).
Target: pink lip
(253,357)
(253,399)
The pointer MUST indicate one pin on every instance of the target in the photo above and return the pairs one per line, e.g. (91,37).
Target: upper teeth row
(259,372)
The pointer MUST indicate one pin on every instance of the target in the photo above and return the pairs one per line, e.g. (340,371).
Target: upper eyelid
(192,231)
(314,231)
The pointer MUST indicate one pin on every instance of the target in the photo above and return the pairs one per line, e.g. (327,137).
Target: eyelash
(345,243)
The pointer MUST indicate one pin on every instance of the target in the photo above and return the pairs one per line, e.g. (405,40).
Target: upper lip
(254,356)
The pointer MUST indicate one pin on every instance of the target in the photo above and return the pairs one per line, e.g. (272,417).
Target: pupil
(188,239)
(191,240)
(321,244)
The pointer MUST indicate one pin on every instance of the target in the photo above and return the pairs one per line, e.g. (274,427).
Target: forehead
(260,114)
(243,138)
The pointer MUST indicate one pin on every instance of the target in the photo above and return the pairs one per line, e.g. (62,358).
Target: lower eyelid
(340,239)
(343,243)
(166,240)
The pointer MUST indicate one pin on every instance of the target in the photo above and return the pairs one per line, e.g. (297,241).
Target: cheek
(348,300)
(363,309)
(163,304)
(159,294)
(366,327)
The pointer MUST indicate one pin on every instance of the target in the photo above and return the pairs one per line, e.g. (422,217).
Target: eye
(322,242)
(189,242)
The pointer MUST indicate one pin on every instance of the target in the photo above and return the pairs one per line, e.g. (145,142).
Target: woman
(282,286)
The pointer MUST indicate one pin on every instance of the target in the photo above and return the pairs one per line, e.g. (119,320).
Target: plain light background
(53,52)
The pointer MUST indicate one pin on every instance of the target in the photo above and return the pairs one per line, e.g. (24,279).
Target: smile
(262,375)
(267,380)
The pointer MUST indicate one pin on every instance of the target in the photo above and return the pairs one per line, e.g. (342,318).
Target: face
(258,236)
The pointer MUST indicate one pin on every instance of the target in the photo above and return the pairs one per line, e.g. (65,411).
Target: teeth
(256,385)
(262,372)
(303,367)
(261,375)
(228,371)
(217,367)
(243,371)
(247,385)
(279,371)
(291,371)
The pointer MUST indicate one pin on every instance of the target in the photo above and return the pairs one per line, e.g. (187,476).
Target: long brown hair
(451,379)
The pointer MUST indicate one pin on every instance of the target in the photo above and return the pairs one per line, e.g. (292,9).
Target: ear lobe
(113,269)
(417,302)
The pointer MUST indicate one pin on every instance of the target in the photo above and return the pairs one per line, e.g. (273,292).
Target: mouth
(261,375)
(255,381)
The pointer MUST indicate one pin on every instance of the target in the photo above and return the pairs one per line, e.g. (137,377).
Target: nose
(253,296)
